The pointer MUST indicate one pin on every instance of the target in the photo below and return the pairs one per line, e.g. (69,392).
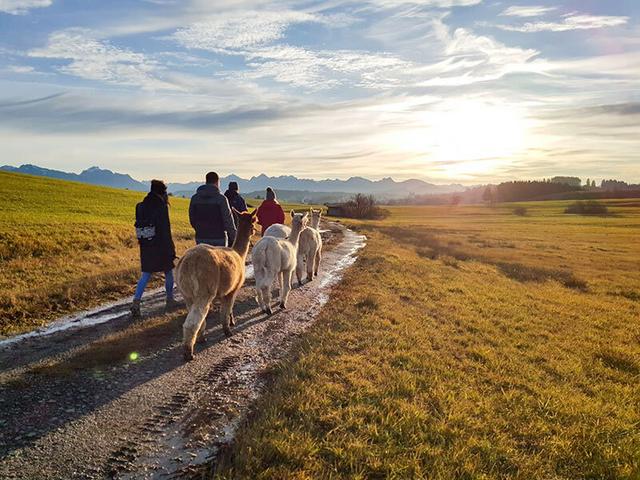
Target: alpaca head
(298,220)
(315,218)
(246,222)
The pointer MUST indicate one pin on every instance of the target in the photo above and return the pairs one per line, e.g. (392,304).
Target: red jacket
(270,212)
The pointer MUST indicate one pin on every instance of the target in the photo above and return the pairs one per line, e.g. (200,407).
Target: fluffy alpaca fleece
(206,273)
(277,230)
(275,257)
(310,248)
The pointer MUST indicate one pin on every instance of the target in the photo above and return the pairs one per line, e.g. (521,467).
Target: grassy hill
(66,246)
(466,343)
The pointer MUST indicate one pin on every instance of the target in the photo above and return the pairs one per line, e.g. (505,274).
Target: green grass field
(466,343)
(65,246)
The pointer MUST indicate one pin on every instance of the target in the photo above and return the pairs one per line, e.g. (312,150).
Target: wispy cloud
(94,59)
(240,30)
(22,7)
(527,11)
(20,69)
(570,22)
(471,58)
(426,3)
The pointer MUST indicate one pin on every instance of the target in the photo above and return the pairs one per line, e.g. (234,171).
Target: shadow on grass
(51,395)
(620,361)
(429,246)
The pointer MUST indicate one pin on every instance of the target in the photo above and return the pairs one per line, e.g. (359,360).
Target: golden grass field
(65,246)
(466,343)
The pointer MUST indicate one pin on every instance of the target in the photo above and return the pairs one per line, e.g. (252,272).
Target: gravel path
(116,401)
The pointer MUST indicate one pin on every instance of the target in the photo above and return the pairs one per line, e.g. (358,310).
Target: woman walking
(157,251)
(270,211)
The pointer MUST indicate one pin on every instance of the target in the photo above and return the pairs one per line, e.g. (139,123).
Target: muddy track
(117,401)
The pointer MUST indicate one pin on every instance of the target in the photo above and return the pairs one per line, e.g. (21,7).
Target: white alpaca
(275,257)
(277,230)
(310,248)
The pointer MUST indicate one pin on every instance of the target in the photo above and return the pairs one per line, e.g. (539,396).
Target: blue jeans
(144,280)
(214,242)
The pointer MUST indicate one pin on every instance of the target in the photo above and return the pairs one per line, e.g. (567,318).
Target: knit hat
(271,195)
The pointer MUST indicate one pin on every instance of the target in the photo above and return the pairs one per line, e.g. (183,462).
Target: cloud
(527,11)
(20,69)
(95,59)
(471,58)
(78,113)
(320,69)
(240,30)
(570,22)
(425,3)
(22,7)
(254,36)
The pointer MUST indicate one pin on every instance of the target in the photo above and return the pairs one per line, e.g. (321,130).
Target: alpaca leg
(226,305)
(316,262)
(300,268)
(281,280)
(266,299)
(288,275)
(192,324)
(232,318)
(310,265)
(259,298)
(201,337)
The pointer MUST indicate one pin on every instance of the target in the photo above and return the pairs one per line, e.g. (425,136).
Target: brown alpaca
(206,273)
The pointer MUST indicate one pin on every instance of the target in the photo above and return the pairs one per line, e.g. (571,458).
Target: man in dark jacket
(235,200)
(210,214)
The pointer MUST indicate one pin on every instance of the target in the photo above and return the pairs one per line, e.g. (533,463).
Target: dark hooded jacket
(210,215)
(158,254)
(235,200)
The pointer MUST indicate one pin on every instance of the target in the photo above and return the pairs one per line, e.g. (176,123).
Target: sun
(466,137)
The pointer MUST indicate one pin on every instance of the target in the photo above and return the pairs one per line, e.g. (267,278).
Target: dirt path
(117,401)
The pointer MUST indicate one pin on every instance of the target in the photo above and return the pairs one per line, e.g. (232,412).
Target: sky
(469,91)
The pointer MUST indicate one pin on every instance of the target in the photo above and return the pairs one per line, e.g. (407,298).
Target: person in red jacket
(270,211)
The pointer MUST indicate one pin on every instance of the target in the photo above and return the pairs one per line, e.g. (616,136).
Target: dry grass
(448,367)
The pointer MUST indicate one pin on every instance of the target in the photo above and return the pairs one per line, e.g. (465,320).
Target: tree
(487,196)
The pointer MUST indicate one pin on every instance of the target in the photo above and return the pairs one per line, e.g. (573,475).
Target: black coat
(157,255)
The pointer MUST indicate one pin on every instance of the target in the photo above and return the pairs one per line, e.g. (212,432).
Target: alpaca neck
(295,235)
(315,223)
(241,244)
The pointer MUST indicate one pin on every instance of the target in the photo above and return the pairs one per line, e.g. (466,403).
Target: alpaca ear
(293,212)
(254,213)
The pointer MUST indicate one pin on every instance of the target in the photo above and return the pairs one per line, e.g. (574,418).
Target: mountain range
(385,188)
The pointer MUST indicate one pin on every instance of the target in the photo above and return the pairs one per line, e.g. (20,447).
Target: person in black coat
(157,250)
(235,200)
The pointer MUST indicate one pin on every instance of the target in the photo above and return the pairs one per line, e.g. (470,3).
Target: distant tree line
(518,191)
(530,190)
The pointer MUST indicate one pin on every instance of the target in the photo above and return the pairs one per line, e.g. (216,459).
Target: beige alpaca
(206,273)
(310,248)
(275,257)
